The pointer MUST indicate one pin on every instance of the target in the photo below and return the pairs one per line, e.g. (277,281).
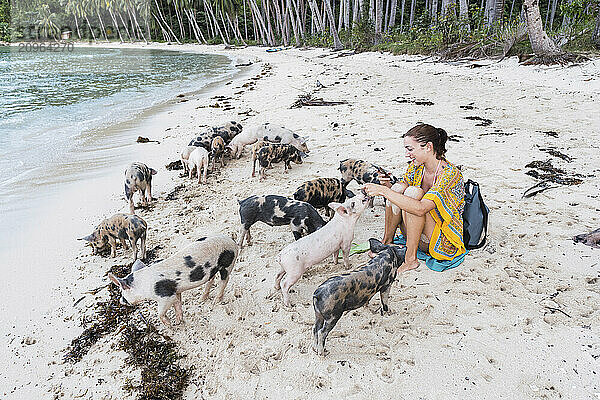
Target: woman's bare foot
(407,265)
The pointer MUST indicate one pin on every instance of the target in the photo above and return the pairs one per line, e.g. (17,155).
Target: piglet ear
(376,246)
(338,207)
(400,253)
(137,265)
(87,238)
(115,280)
(152,171)
(119,282)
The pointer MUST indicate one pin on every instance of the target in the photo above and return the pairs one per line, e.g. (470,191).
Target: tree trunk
(355,12)
(464,14)
(434,10)
(402,16)
(102,25)
(554,4)
(412,12)
(317,15)
(337,44)
(112,16)
(125,26)
(392,20)
(347,15)
(596,34)
(224,26)
(90,27)
(165,22)
(340,15)
(544,48)
(77,26)
(378,20)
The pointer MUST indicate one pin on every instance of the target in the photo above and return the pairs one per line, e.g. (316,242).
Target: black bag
(475,217)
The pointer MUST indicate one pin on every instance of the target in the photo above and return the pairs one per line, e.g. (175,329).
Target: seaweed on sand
(154,353)
(157,356)
(108,317)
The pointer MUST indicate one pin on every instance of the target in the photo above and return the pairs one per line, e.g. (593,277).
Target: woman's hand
(373,189)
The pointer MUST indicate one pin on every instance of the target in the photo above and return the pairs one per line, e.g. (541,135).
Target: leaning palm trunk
(293,21)
(77,26)
(102,25)
(124,26)
(596,34)
(90,27)
(139,28)
(261,23)
(112,16)
(546,51)
(316,15)
(165,22)
(337,44)
(207,6)
(224,25)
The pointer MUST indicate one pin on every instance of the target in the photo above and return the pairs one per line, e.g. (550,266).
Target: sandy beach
(519,319)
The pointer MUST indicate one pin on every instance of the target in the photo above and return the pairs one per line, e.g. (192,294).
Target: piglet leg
(278,279)
(207,287)
(178,309)
(323,332)
(346,253)
(385,295)
(163,306)
(222,284)
(288,282)
(143,245)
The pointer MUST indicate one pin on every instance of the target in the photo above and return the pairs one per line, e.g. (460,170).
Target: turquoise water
(57,106)
(68,125)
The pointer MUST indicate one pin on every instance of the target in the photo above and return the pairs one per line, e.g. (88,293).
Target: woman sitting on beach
(428,203)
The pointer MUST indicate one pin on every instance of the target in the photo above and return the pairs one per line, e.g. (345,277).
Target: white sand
(483,330)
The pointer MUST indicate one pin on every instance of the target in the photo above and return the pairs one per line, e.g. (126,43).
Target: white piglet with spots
(197,264)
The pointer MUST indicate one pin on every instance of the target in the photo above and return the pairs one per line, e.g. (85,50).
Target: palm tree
(546,51)
(46,21)
(596,34)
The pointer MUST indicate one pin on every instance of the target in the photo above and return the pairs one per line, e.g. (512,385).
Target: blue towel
(432,263)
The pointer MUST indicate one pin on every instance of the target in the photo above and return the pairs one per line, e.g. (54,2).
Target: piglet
(195,265)
(297,257)
(354,289)
(123,227)
(185,156)
(198,160)
(276,211)
(138,176)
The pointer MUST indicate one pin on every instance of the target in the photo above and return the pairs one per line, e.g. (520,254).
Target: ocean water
(69,118)
(57,107)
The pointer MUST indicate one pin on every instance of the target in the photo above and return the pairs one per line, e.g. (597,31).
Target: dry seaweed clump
(108,317)
(156,355)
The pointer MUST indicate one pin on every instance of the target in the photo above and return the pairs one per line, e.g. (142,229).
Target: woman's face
(415,151)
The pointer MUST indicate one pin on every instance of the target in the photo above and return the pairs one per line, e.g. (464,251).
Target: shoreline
(487,321)
(60,251)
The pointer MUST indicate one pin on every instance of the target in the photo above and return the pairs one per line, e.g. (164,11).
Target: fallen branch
(309,100)
(553,310)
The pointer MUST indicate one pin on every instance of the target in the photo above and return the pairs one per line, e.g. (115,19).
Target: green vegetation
(451,27)
(4,20)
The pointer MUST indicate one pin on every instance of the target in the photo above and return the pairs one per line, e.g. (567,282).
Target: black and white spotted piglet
(138,176)
(276,211)
(353,290)
(191,267)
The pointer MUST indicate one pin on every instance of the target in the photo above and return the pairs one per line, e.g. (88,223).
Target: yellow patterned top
(448,194)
